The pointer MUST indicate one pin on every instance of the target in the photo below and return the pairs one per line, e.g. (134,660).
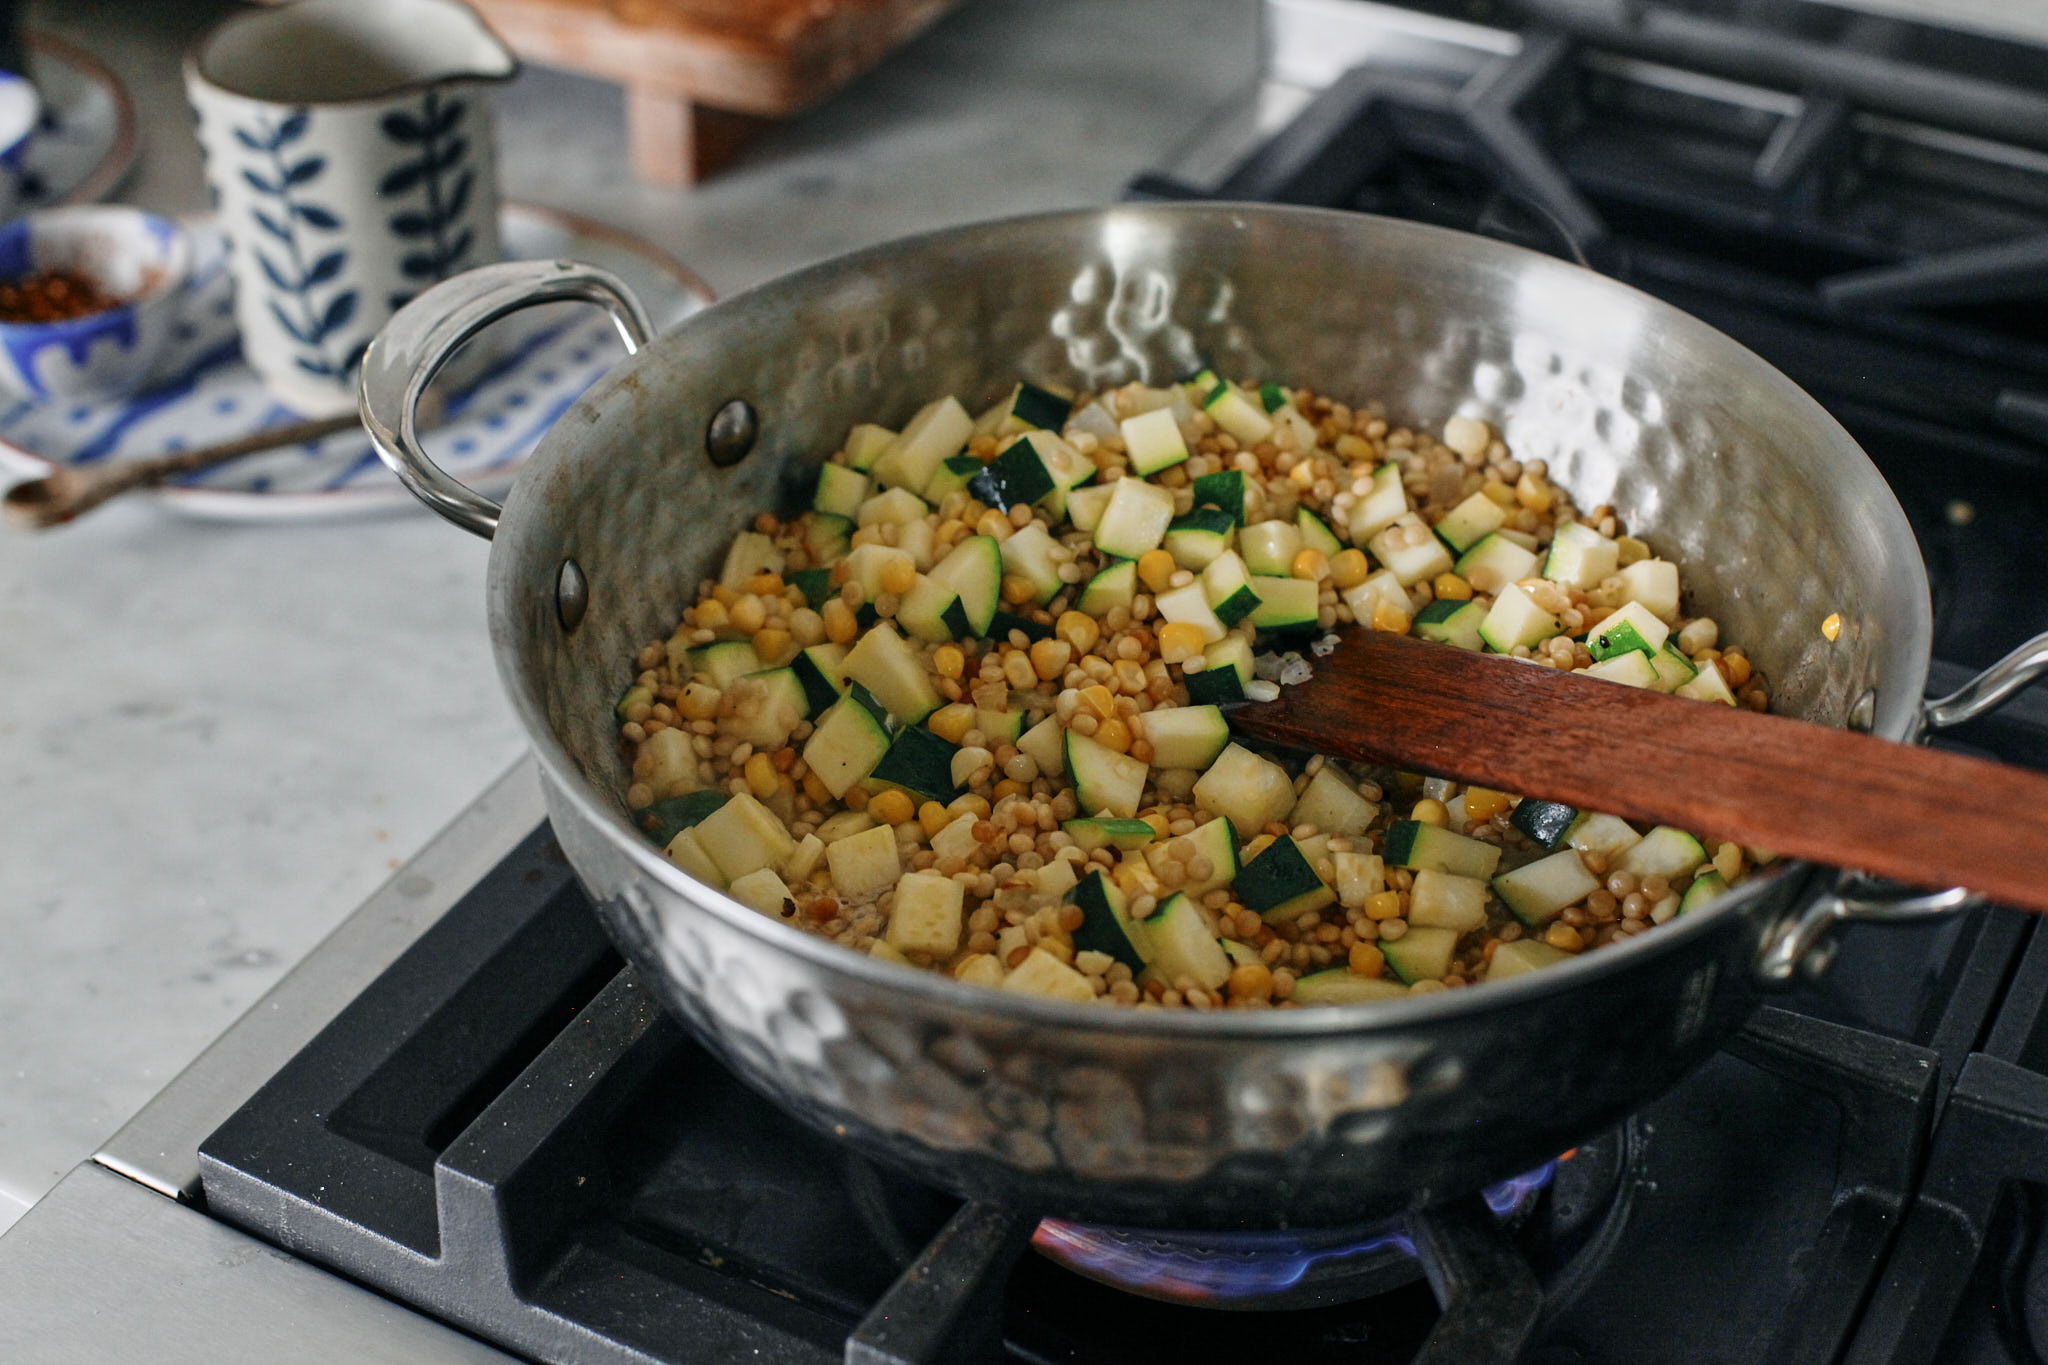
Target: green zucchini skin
(664,820)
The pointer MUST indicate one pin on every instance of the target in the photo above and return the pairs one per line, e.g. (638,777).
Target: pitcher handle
(1804,941)
(419,339)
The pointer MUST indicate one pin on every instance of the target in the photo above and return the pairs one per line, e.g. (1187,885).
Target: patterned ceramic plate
(494,411)
(87,139)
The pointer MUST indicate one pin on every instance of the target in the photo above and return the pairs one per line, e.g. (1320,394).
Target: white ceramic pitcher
(349,159)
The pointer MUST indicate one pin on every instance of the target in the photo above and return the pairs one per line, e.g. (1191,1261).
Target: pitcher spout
(316,52)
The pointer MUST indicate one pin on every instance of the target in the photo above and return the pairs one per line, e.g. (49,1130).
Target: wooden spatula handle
(1919,816)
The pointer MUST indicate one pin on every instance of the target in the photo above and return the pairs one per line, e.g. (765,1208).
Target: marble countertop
(216,741)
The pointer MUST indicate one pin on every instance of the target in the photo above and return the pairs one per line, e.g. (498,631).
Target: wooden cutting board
(702,76)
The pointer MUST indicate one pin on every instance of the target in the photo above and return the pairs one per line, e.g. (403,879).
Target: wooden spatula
(1919,816)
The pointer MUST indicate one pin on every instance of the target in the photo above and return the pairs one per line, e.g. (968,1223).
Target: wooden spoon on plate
(1920,816)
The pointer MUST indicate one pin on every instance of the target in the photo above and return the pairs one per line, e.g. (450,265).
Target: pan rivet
(1863,714)
(572,595)
(732,433)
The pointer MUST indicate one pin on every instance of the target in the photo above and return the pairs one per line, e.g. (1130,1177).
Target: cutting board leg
(675,142)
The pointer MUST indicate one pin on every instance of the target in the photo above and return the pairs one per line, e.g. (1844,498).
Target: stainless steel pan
(1171,1119)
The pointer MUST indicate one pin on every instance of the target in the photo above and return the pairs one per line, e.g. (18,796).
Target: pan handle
(419,339)
(1804,941)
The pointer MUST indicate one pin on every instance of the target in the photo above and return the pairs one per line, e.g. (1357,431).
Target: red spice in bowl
(52,296)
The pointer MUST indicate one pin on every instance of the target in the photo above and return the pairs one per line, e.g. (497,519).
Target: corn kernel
(1155,570)
(1736,667)
(1009,786)
(1532,494)
(1388,617)
(1498,493)
(899,576)
(1349,568)
(1310,564)
(1049,658)
(1450,588)
(765,585)
(711,615)
(760,774)
(933,817)
(969,803)
(1430,812)
(748,614)
(769,643)
(1114,734)
(950,662)
(1631,551)
(1252,981)
(1383,905)
(891,807)
(1728,861)
(1563,937)
(1831,629)
(951,723)
(1078,629)
(840,626)
(1367,960)
(698,702)
(815,788)
(1179,641)
(1483,804)
(1017,590)
(1099,701)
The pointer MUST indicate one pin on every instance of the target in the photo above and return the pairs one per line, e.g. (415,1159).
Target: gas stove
(462,1130)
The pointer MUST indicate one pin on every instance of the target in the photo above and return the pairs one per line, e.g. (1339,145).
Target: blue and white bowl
(137,258)
(21,108)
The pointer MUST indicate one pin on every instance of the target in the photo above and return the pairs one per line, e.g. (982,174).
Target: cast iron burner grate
(504,1131)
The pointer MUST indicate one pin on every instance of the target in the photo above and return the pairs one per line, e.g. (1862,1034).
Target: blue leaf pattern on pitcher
(435,169)
(308,321)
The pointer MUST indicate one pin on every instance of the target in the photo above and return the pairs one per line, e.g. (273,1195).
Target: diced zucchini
(1086,505)
(751,553)
(1271,397)
(1414,844)
(1223,490)
(1494,562)
(864,863)
(1421,954)
(1580,557)
(1359,875)
(1245,789)
(895,507)
(867,564)
(1332,804)
(1226,668)
(1663,852)
(925,916)
(1000,727)
(1152,441)
(1196,539)
(1269,547)
(1228,589)
(1674,670)
(1286,604)
(1516,620)
(763,891)
(1450,623)
(1632,669)
(865,444)
(1380,588)
(1135,519)
(1211,843)
(1514,959)
(725,660)
(940,429)
(1028,554)
(814,584)
(1104,780)
(1704,889)
(1315,535)
(1021,474)
(769,705)
(1707,685)
(920,763)
(1342,986)
(1470,522)
(817,669)
(1188,604)
(664,820)
(1026,405)
(827,538)
(743,836)
(849,741)
(1043,974)
(974,570)
(1608,834)
(954,473)
(1182,943)
(1421,556)
(685,852)
(1046,742)
(1380,508)
(841,490)
(1238,415)
(1443,900)
(1631,628)
(932,612)
(1116,586)
(1654,584)
(1185,736)
(667,763)
(894,671)
(1537,891)
(1091,833)
(1279,883)
(1546,823)
(1105,928)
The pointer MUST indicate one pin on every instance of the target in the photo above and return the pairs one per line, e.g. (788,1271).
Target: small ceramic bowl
(20,110)
(137,258)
